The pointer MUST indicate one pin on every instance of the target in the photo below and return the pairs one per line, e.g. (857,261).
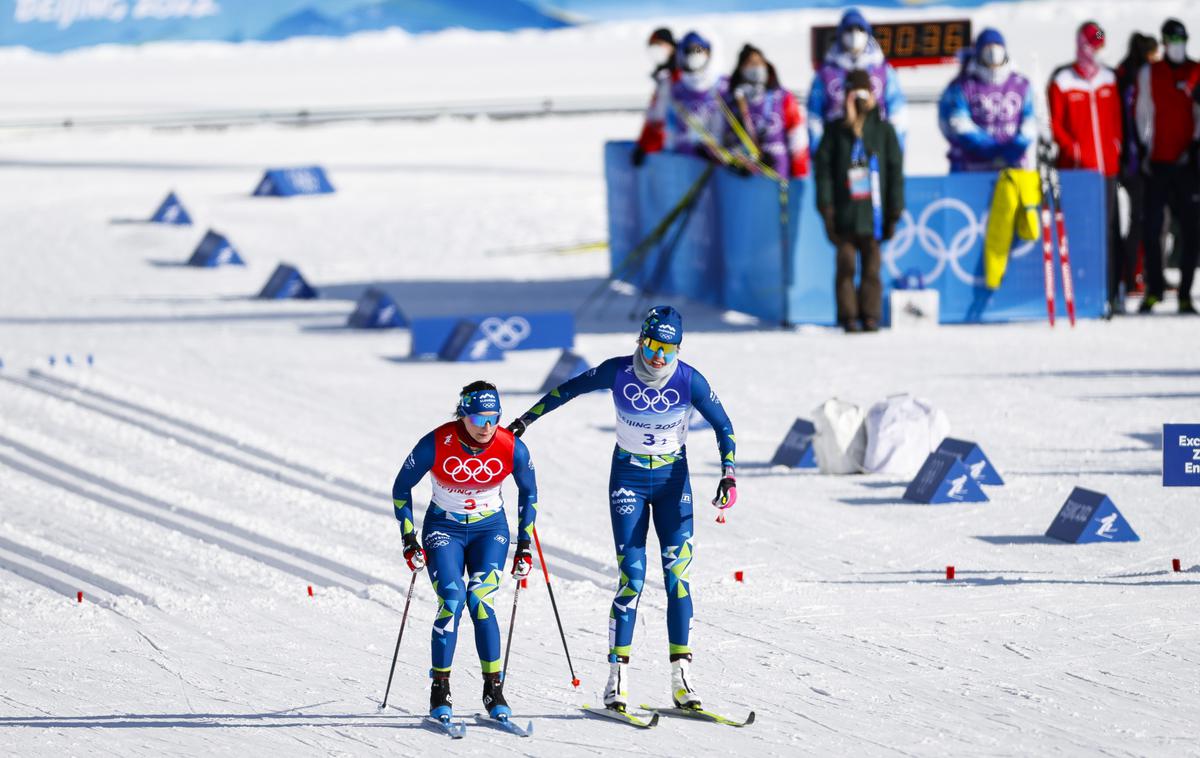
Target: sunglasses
(651,348)
(483,419)
(695,49)
(1174,38)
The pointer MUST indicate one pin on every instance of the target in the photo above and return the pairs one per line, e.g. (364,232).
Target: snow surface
(223,454)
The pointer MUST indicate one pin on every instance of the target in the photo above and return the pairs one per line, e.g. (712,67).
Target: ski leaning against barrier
(506,725)
(1052,198)
(455,730)
(699,714)
(622,716)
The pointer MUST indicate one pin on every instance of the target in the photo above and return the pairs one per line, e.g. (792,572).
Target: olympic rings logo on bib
(471,469)
(650,399)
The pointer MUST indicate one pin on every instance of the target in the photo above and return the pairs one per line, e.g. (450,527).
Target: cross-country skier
(465,532)
(654,393)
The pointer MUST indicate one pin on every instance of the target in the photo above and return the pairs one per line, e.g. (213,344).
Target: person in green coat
(860,194)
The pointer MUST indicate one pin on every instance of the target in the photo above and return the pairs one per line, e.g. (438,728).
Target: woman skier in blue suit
(654,393)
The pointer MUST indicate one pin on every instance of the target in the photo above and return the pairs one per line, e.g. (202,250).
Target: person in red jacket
(1169,126)
(661,50)
(1085,118)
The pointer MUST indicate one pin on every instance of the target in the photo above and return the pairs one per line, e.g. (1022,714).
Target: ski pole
(511,625)
(554,605)
(403,619)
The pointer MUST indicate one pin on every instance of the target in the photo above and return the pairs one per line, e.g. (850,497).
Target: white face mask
(659,54)
(1176,51)
(755,74)
(696,61)
(993,55)
(854,40)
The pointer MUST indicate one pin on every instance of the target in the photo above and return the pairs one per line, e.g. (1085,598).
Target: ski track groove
(200,447)
(114,588)
(233,530)
(172,525)
(216,436)
(48,582)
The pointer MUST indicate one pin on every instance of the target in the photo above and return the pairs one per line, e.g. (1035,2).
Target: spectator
(854,49)
(768,115)
(986,112)
(661,51)
(860,194)
(1143,49)
(693,116)
(1168,126)
(1085,119)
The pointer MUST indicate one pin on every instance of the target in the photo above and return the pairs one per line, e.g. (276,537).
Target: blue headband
(480,401)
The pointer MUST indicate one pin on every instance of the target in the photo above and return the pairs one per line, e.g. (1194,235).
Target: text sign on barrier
(1181,455)
(286,284)
(468,342)
(215,250)
(171,211)
(796,450)
(536,330)
(944,479)
(973,458)
(1089,516)
(286,182)
(568,366)
(376,309)
(731,254)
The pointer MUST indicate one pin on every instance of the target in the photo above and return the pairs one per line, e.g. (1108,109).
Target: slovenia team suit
(649,480)
(465,531)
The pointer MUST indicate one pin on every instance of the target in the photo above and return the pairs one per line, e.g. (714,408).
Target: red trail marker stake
(1175,565)
(949,572)
(738,576)
(310,590)
(79,596)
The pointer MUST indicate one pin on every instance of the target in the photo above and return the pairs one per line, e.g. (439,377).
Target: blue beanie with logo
(663,323)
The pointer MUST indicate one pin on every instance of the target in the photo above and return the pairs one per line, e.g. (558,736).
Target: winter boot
(440,704)
(681,685)
(616,697)
(493,697)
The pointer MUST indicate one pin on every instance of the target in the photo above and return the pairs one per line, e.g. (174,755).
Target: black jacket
(832,171)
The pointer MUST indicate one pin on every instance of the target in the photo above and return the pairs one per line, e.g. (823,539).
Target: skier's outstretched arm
(599,378)
(415,467)
(706,401)
(526,491)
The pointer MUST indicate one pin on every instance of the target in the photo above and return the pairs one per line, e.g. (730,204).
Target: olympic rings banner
(528,330)
(731,252)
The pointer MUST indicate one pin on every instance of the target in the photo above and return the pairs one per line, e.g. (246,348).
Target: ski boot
(440,704)
(493,697)
(616,697)
(681,686)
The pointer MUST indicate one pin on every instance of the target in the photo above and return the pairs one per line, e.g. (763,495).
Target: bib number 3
(649,441)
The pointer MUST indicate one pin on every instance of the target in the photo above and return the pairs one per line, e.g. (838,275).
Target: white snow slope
(223,454)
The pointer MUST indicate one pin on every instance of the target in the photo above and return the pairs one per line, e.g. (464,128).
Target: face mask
(855,40)
(659,54)
(1176,51)
(755,74)
(696,61)
(992,55)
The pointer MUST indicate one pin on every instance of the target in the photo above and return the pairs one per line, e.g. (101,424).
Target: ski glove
(726,489)
(522,560)
(413,554)
(518,427)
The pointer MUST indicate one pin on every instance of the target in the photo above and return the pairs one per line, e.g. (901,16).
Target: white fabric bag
(901,433)
(841,438)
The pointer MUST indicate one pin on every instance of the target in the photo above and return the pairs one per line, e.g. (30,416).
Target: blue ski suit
(465,531)
(649,482)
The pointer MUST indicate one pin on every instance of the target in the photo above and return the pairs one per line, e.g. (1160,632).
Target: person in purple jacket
(986,113)
(854,49)
(693,113)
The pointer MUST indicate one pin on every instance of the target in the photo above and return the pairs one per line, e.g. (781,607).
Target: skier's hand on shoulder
(522,560)
(726,489)
(518,427)
(414,555)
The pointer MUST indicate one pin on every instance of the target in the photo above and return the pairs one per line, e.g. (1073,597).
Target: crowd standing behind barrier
(1138,127)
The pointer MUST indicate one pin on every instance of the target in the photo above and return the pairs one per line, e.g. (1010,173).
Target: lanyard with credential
(864,183)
